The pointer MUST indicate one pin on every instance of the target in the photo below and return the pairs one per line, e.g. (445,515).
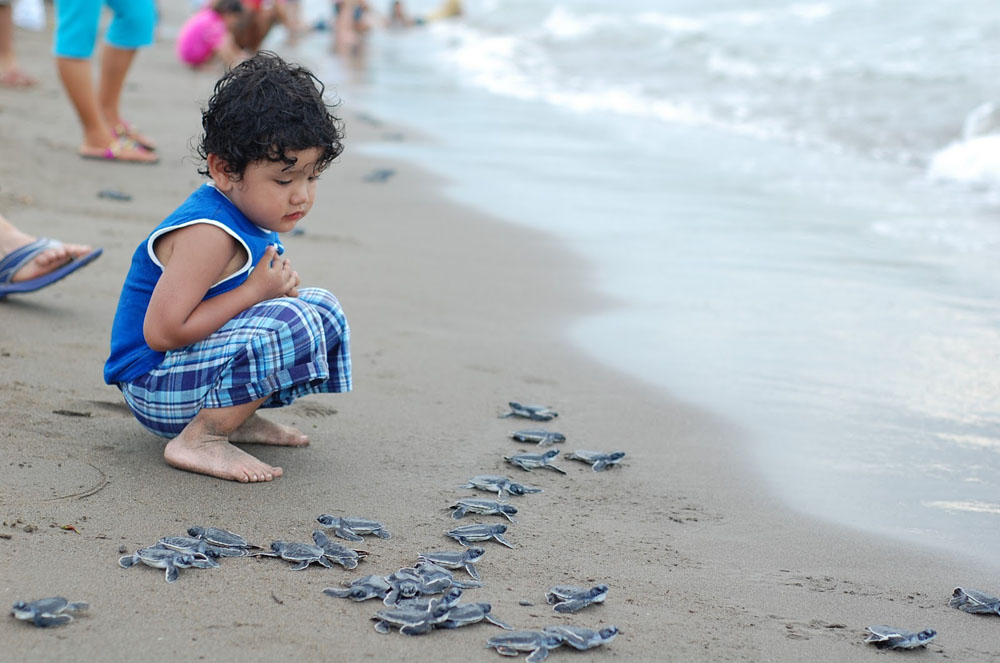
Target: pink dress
(200,36)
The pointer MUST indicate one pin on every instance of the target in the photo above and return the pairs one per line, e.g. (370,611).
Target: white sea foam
(968,506)
(974,161)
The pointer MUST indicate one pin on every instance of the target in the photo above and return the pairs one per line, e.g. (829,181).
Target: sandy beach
(453,314)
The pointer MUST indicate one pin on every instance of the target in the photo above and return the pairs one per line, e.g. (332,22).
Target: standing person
(28,264)
(212,324)
(11,74)
(106,135)
(258,19)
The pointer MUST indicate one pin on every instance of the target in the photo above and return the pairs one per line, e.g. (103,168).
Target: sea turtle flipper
(538,655)
(507,651)
(171,573)
(382,626)
(448,623)
(301,565)
(348,563)
(415,629)
(382,534)
(572,605)
(76,607)
(502,540)
(337,592)
(127,561)
(557,469)
(46,619)
(459,512)
(325,562)
(345,533)
(493,620)
(472,570)
(600,465)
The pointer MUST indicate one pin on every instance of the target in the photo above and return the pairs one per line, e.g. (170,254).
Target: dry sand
(453,314)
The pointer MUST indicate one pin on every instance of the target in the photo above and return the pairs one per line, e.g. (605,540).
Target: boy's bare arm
(198,258)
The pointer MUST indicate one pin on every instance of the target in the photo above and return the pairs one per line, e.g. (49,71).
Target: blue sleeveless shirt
(130,356)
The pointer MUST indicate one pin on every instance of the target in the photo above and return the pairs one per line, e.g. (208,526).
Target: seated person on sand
(211,323)
(208,35)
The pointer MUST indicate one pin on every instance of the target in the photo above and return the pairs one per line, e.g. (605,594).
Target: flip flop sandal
(117,151)
(16,78)
(11,263)
(125,130)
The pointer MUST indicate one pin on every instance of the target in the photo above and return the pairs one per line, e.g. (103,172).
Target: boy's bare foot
(257,430)
(215,456)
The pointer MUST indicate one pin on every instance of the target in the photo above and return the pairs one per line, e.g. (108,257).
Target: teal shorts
(77,21)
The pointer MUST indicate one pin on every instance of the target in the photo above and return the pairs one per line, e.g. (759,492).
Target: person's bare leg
(79,85)
(10,73)
(257,430)
(203,446)
(115,63)
(12,239)
(97,136)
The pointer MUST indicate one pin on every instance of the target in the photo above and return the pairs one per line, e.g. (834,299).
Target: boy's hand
(273,277)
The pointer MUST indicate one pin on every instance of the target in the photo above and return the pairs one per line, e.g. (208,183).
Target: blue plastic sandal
(11,263)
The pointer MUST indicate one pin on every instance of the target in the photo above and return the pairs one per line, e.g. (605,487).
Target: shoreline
(700,564)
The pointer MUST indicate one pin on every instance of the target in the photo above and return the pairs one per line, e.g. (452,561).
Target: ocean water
(797,205)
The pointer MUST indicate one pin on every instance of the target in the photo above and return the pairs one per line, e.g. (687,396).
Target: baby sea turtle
(600,460)
(414,621)
(346,557)
(491,482)
(456,559)
(533,412)
(478,532)
(405,583)
(191,545)
(352,528)
(567,598)
(533,461)
(361,589)
(221,537)
(896,638)
(464,614)
(303,554)
(542,437)
(580,637)
(164,558)
(437,576)
(484,507)
(536,642)
(974,601)
(47,612)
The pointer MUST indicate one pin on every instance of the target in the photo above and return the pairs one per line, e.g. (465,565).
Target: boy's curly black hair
(264,108)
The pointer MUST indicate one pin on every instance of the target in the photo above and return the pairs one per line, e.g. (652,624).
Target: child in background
(208,34)
(211,323)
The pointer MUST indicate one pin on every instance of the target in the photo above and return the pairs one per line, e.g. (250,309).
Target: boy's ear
(217,171)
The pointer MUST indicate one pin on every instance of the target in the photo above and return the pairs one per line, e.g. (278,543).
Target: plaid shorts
(278,350)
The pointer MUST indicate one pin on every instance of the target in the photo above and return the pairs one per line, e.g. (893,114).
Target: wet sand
(453,314)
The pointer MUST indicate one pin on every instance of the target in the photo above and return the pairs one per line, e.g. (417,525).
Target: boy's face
(272,194)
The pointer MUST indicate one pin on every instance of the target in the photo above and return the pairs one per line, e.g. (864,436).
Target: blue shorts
(77,22)
(279,349)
